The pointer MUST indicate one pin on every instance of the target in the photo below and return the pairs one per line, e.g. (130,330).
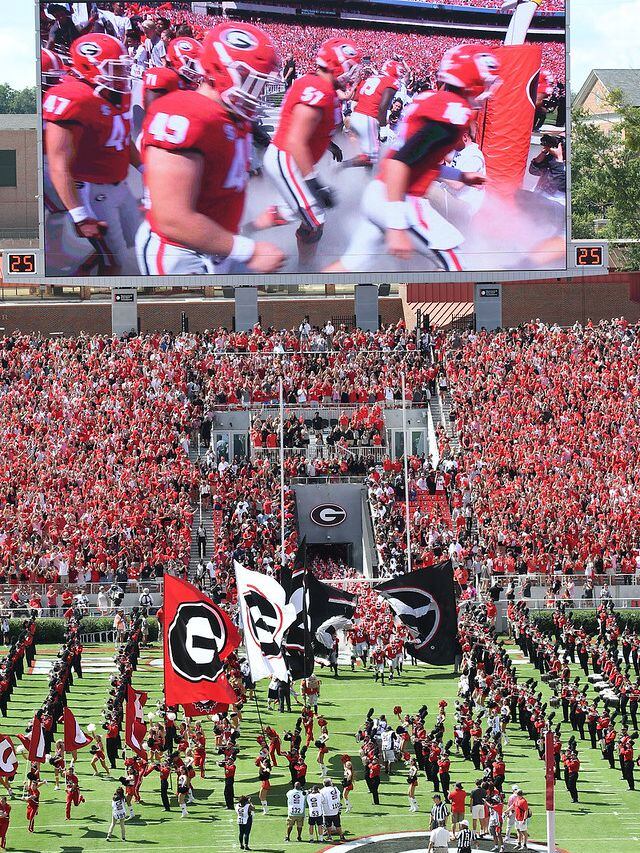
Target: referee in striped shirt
(465,837)
(439,811)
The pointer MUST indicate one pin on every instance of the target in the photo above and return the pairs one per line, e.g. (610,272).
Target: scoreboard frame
(570,269)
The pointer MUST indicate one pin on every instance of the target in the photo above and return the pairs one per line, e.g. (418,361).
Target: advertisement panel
(279,141)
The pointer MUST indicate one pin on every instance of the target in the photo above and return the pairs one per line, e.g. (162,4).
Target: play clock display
(21,263)
(589,256)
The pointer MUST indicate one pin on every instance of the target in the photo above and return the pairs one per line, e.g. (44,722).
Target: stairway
(207,518)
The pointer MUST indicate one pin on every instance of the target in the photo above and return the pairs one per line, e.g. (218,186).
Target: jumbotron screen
(361,141)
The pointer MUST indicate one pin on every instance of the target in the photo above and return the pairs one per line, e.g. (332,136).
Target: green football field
(606,815)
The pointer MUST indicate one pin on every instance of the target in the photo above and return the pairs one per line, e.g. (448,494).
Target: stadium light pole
(281,472)
(406,469)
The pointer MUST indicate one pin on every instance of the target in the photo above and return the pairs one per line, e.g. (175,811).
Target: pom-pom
(91,727)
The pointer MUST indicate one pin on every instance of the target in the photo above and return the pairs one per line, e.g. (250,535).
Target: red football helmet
(183,55)
(394,68)
(341,58)
(473,69)
(102,61)
(52,68)
(239,59)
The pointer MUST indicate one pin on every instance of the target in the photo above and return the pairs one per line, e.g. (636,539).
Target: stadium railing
(321,451)
(133,586)
(541,579)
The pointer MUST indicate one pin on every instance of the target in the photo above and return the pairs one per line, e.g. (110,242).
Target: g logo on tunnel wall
(328,515)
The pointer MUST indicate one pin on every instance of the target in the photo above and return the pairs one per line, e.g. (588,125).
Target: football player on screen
(394,210)
(374,96)
(196,149)
(52,70)
(89,150)
(311,113)
(182,71)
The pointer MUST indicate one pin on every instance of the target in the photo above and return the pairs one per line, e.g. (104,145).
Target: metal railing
(583,603)
(542,579)
(322,452)
(132,586)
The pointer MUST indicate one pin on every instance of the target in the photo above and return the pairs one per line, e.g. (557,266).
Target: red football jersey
(188,121)
(370,91)
(314,91)
(101,131)
(442,107)
(161,79)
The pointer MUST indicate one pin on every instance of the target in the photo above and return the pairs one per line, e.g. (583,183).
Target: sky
(604,34)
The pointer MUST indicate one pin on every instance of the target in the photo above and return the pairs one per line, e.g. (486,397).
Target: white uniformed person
(314,813)
(331,810)
(296,803)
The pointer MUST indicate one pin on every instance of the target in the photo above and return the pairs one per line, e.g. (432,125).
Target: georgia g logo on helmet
(240,39)
(195,638)
(488,65)
(89,49)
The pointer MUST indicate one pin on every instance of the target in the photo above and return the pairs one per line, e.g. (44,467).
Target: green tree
(605,171)
(17,100)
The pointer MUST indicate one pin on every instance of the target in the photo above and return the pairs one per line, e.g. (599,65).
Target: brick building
(18,181)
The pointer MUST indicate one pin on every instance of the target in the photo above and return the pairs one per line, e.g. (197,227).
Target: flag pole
(406,471)
(550,782)
(281,473)
(304,610)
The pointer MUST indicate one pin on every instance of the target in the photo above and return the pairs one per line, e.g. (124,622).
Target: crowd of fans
(421,53)
(435,533)
(547,6)
(95,479)
(361,368)
(246,495)
(548,423)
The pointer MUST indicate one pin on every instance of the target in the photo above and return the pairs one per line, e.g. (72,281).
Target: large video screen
(364,141)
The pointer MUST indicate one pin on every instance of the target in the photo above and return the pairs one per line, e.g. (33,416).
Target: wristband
(242,249)
(396,215)
(450,173)
(79,214)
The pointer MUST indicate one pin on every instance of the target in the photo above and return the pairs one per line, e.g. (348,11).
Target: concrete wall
(156,314)
(349,496)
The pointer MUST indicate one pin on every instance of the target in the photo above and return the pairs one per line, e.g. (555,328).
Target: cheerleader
(182,789)
(33,774)
(72,787)
(307,722)
(97,751)
(323,749)
(142,770)
(190,773)
(347,784)
(272,693)
(275,745)
(33,799)
(412,781)
(5,817)
(57,761)
(264,775)
(129,782)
